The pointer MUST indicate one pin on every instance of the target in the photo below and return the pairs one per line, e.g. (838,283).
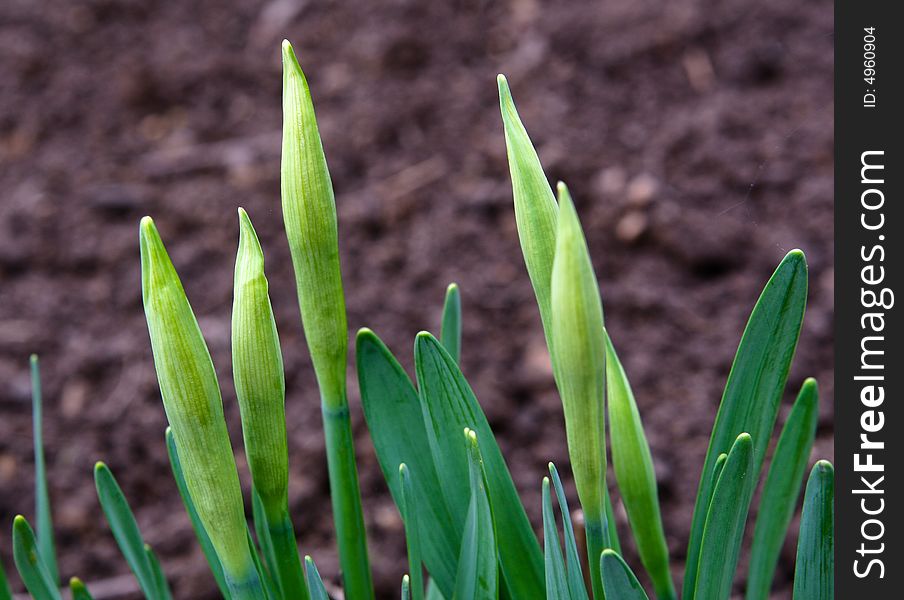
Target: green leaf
(633,464)
(535,205)
(125,529)
(392,409)
(264,540)
(575,574)
(5,592)
(406,588)
(814,574)
(449,405)
(450,332)
(433,592)
(163,590)
(43,517)
(782,489)
(611,530)
(478,564)
(79,590)
(203,539)
(412,534)
(755,385)
(30,564)
(725,523)
(556,581)
(318,591)
(618,579)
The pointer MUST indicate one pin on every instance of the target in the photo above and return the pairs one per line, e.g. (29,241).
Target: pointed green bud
(579,357)
(257,367)
(309,212)
(535,204)
(194,407)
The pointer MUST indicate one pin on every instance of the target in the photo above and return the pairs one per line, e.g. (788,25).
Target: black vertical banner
(869,366)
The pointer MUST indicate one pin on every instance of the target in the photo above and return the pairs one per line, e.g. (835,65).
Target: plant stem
(248,587)
(346,497)
(595,529)
(285,548)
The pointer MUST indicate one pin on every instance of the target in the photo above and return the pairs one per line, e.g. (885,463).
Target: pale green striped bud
(194,407)
(309,212)
(535,204)
(257,367)
(579,357)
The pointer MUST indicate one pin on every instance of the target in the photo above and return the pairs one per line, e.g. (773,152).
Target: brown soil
(696,138)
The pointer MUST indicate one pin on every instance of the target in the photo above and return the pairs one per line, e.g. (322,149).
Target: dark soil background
(696,137)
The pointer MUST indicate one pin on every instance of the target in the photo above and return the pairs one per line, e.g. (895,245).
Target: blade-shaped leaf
(814,574)
(5,592)
(478,564)
(163,590)
(315,583)
(30,563)
(406,588)
(573,568)
(203,539)
(395,420)
(433,592)
(449,405)
(618,579)
(412,533)
(124,528)
(556,581)
(264,540)
(450,332)
(755,385)
(636,477)
(79,590)
(781,490)
(43,520)
(725,523)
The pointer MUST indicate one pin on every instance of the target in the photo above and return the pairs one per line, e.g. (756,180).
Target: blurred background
(696,137)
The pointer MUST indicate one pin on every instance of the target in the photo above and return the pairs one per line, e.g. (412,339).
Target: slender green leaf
(556,580)
(395,420)
(79,590)
(478,564)
(613,541)
(318,591)
(450,332)
(633,464)
(535,205)
(163,590)
(618,579)
(406,587)
(30,563)
(124,528)
(203,539)
(43,519)
(264,540)
(755,385)
(412,534)
(271,589)
(5,592)
(814,575)
(782,489)
(449,405)
(725,523)
(576,587)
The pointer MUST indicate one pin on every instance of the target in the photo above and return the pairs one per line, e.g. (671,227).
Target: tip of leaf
(308,560)
(33,359)
(403,468)
(504,91)
(452,288)
(609,552)
(19,522)
(289,58)
(824,466)
(100,466)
